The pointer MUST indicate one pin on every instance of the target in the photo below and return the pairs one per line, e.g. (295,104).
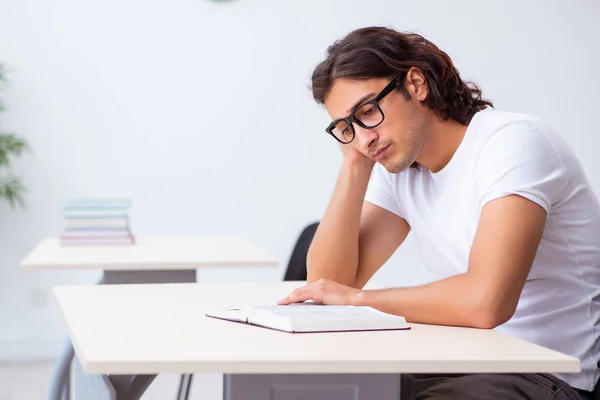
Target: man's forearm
(333,253)
(457,301)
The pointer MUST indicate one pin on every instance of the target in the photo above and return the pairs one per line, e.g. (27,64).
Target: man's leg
(486,387)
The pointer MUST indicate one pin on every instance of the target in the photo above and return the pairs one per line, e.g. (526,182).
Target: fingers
(298,295)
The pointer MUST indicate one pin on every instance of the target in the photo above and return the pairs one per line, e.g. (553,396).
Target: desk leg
(117,387)
(92,387)
(184,387)
(59,384)
(67,388)
(130,387)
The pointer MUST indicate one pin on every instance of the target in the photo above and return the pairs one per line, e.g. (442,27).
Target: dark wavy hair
(380,52)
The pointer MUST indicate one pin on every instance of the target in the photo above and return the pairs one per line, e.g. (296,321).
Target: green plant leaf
(2,80)
(10,144)
(12,190)
(11,187)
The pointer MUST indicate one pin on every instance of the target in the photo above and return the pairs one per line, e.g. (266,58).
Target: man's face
(398,140)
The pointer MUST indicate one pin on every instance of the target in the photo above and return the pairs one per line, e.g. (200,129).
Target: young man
(498,203)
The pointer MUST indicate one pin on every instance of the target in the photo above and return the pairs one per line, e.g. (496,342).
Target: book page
(317,311)
(228,313)
(311,317)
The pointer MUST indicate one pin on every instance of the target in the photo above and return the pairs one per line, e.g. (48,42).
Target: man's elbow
(486,316)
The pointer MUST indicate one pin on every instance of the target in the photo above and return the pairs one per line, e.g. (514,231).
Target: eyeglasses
(368,116)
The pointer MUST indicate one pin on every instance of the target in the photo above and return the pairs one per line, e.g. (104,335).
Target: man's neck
(444,138)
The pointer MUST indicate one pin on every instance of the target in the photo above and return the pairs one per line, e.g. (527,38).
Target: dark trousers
(488,387)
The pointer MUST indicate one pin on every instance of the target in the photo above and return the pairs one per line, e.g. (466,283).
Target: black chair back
(296,269)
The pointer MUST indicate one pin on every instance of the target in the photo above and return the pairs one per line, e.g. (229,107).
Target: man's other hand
(324,291)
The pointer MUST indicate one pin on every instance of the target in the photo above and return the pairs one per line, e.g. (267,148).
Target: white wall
(199,111)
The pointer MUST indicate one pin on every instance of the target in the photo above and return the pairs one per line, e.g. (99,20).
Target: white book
(95,214)
(96,233)
(101,202)
(311,317)
(99,242)
(96,223)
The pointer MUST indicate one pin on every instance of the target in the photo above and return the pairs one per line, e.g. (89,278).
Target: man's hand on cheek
(355,157)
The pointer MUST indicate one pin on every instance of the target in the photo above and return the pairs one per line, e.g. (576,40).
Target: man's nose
(366,137)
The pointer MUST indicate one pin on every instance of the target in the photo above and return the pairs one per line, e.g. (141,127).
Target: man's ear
(416,84)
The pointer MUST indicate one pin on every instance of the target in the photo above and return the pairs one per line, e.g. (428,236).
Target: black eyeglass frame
(352,119)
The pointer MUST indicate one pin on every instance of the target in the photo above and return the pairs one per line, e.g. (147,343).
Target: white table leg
(62,370)
(92,387)
(67,388)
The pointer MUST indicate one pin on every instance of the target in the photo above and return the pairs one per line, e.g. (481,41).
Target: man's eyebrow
(359,102)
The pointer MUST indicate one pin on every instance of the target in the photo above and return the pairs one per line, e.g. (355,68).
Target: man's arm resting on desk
(371,242)
(507,238)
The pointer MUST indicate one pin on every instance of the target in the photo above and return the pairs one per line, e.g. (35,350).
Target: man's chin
(396,168)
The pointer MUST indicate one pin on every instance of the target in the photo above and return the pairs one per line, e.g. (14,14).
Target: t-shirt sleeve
(520,159)
(381,191)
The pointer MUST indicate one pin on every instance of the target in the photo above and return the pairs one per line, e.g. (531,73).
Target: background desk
(153,259)
(171,334)
(150,253)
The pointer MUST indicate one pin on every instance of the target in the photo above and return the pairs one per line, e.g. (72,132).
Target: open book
(311,317)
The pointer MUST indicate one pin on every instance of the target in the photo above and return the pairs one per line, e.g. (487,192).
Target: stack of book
(100,222)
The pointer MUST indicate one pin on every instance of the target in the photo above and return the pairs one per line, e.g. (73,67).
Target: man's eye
(365,112)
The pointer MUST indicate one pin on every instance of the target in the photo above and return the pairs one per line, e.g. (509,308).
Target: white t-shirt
(501,154)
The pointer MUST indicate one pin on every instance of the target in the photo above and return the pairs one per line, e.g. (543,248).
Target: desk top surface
(149,252)
(133,329)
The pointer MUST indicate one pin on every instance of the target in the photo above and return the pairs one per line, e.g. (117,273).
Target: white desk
(153,259)
(171,334)
(149,252)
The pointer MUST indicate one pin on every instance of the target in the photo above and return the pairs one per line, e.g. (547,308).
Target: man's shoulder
(521,150)
(496,127)
(492,121)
